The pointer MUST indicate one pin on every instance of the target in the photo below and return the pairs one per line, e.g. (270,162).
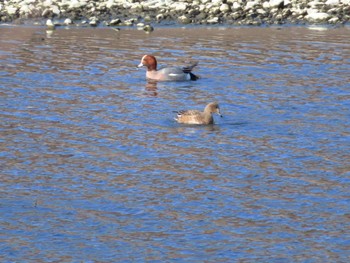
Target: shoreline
(175,12)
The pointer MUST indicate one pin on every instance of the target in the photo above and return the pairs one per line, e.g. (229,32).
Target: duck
(167,73)
(199,117)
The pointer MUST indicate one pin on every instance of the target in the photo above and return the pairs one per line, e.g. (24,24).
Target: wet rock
(148,28)
(147,18)
(93,21)
(184,19)
(129,22)
(140,24)
(115,22)
(68,22)
(50,25)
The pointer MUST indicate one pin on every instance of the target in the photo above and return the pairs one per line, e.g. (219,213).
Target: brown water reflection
(94,168)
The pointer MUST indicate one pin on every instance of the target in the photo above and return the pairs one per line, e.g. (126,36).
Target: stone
(314,15)
(332,2)
(93,23)
(160,17)
(147,18)
(55,9)
(180,6)
(184,19)
(266,5)
(236,15)
(276,3)
(214,10)
(236,6)
(68,21)
(217,2)
(251,4)
(225,8)
(115,22)
(137,7)
(213,20)
(47,3)
(46,12)
(201,8)
(110,4)
(315,4)
(11,10)
(75,4)
(25,9)
(50,25)
(287,3)
(333,20)
(129,22)
(195,3)
(148,28)
(261,11)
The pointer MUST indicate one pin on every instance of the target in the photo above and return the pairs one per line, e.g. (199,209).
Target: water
(95,169)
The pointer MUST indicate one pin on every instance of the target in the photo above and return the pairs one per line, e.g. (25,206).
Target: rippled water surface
(95,169)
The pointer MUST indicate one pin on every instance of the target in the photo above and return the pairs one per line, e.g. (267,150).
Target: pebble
(243,12)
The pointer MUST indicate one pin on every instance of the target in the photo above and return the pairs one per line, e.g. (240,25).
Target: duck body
(166,73)
(199,117)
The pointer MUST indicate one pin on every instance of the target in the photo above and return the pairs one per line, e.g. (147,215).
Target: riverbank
(132,12)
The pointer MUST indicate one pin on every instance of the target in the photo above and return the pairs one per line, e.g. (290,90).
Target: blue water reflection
(94,167)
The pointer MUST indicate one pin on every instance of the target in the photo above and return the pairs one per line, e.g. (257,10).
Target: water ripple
(94,168)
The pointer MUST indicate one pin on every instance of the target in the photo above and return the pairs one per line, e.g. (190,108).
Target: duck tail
(193,77)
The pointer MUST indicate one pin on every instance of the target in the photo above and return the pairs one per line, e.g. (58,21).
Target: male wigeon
(198,117)
(168,73)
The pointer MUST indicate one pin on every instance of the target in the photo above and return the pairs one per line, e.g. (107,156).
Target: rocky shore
(138,12)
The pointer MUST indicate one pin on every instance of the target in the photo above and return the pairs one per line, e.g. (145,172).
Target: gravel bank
(137,12)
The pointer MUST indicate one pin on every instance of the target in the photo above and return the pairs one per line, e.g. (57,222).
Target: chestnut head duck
(199,117)
(168,73)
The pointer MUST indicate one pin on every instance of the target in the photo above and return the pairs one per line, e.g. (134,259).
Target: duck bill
(140,65)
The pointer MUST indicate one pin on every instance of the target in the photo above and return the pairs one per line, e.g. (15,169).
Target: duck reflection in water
(151,88)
